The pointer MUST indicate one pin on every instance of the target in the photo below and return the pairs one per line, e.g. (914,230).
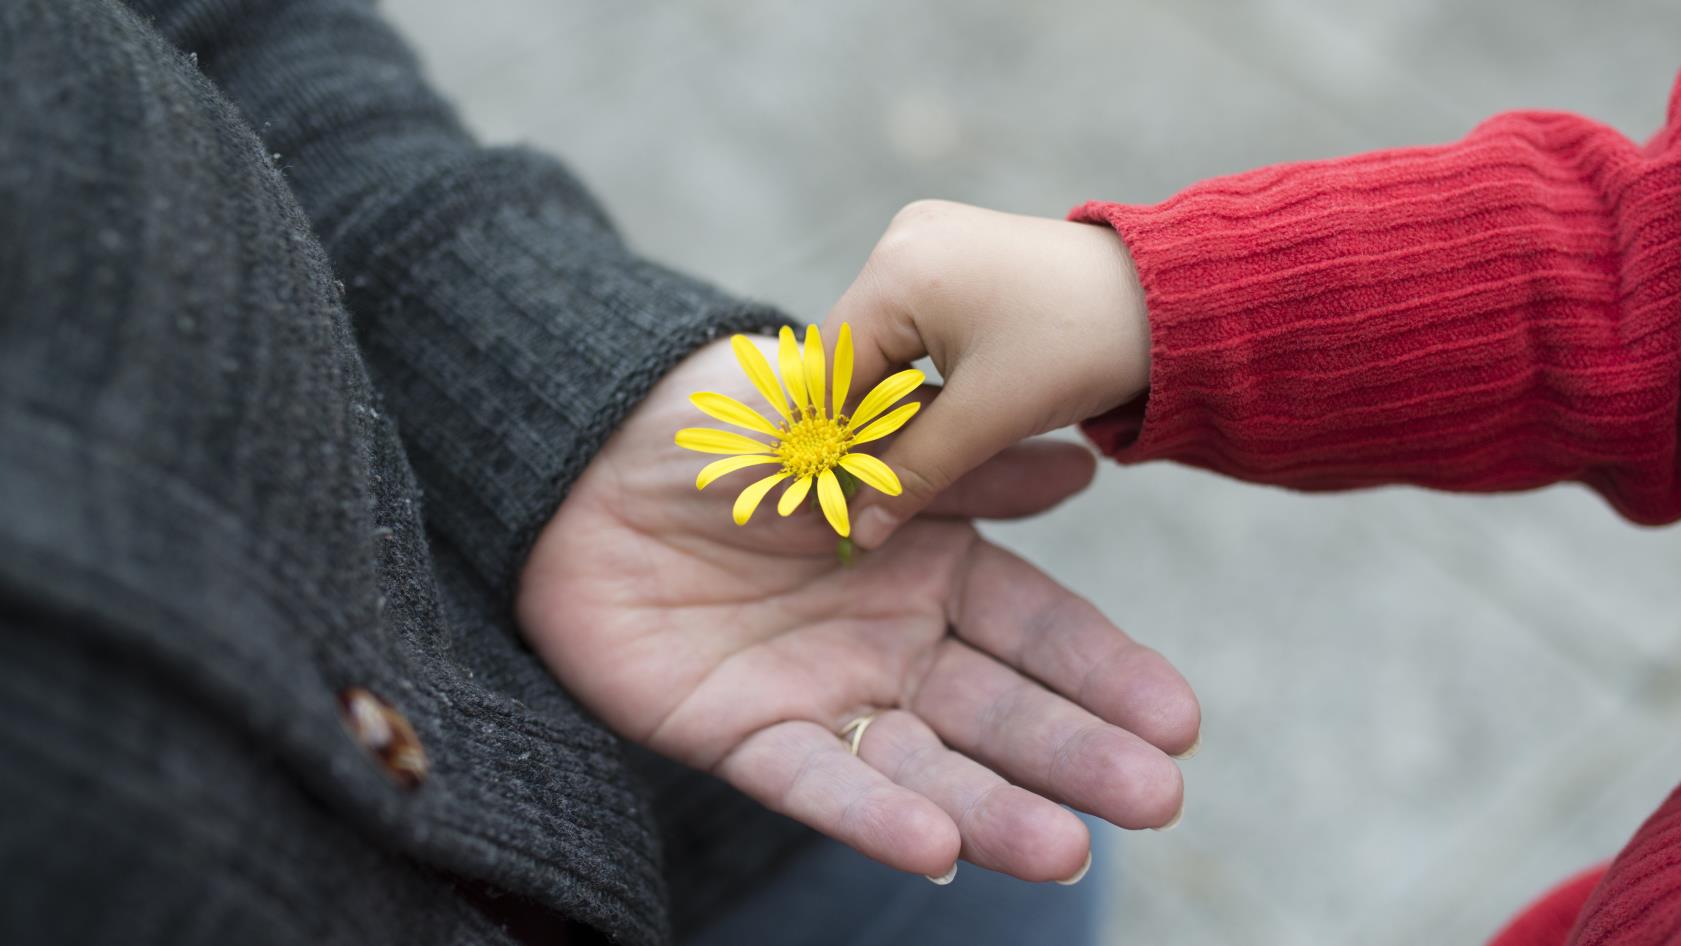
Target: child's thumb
(954,434)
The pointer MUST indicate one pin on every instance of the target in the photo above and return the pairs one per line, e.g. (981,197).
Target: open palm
(743,651)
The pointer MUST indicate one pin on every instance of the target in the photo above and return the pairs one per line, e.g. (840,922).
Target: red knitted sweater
(1499,313)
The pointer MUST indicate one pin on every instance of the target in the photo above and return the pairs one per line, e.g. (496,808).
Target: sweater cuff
(1184,414)
(1462,317)
(509,334)
(1319,372)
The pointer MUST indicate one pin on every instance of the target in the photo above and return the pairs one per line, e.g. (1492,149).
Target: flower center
(813,444)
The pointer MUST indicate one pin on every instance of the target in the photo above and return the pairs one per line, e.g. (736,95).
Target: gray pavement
(1420,709)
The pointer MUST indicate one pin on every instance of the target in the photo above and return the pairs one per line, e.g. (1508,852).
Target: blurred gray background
(1419,709)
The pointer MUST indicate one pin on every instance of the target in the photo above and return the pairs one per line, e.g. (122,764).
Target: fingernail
(873,527)
(1174,822)
(1080,874)
(944,878)
(1192,750)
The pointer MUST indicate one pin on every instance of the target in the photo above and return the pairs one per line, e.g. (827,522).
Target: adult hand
(744,650)
(1034,324)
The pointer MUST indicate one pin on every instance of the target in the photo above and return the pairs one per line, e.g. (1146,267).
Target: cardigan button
(386,734)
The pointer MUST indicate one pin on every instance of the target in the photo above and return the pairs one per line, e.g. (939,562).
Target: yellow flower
(809,442)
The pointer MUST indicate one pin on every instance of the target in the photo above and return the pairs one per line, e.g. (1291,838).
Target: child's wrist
(1124,316)
(1136,316)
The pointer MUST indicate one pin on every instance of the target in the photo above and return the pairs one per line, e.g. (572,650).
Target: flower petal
(731,411)
(872,472)
(727,465)
(707,440)
(843,368)
(891,421)
(792,496)
(749,498)
(758,371)
(793,376)
(895,387)
(814,369)
(833,500)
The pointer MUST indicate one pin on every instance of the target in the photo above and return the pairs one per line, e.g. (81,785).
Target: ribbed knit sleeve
(507,327)
(1638,900)
(1495,314)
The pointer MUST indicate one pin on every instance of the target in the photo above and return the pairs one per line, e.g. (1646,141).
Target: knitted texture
(1495,314)
(245,469)
(1499,313)
(1638,903)
(1549,920)
(503,321)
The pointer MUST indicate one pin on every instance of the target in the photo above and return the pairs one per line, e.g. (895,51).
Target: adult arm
(506,325)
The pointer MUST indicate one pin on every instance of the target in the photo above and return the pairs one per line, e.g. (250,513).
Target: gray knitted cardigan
(291,373)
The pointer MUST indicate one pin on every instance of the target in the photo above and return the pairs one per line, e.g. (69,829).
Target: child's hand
(1034,323)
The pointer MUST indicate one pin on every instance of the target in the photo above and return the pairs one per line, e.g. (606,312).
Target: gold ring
(853,733)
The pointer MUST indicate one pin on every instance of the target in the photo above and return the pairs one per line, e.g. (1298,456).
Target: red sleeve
(1638,901)
(1549,919)
(1499,313)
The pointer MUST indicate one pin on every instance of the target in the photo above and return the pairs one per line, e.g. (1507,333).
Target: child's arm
(1499,313)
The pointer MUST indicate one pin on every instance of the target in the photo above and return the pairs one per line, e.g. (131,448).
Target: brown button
(384,732)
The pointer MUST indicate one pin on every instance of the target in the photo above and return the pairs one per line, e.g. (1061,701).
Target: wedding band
(853,733)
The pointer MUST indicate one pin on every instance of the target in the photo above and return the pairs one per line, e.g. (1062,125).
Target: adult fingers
(800,769)
(1045,743)
(1018,614)
(1023,480)
(1004,827)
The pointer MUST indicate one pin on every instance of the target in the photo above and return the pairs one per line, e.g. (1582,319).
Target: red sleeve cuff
(1500,313)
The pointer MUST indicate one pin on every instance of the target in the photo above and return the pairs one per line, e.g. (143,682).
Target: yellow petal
(872,472)
(728,465)
(731,411)
(792,496)
(749,498)
(833,500)
(788,357)
(885,393)
(707,440)
(843,368)
(891,421)
(758,371)
(813,368)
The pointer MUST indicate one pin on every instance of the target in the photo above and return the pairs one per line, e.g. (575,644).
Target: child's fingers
(958,431)
(884,336)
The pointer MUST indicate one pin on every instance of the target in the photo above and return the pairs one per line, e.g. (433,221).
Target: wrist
(1134,376)
(1121,321)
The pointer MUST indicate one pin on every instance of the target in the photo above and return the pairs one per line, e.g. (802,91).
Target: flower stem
(848,483)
